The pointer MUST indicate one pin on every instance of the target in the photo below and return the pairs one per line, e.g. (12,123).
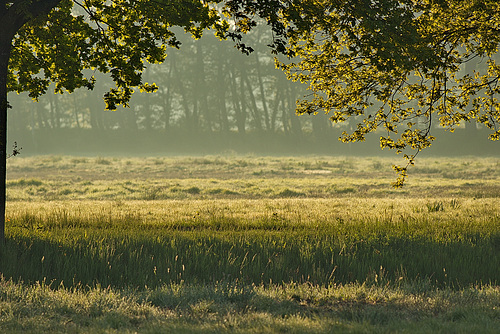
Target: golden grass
(299,211)
(56,178)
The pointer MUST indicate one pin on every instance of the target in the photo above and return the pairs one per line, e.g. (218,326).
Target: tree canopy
(118,37)
(397,67)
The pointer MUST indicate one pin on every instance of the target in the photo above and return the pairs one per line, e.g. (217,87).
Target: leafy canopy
(396,67)
(77,38)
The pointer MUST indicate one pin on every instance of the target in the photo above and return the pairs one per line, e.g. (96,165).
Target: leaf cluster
(77,38)
(395,67)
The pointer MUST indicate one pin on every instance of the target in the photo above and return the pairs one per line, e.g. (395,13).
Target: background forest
(211,99)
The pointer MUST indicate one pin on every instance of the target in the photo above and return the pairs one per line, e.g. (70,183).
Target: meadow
(250,244)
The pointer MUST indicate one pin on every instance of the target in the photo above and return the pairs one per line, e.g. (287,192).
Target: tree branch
(13,17)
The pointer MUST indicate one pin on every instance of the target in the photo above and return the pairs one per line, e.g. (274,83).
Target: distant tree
(397,65)
(65,41)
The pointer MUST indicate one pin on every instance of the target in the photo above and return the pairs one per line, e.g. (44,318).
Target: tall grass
(137,244)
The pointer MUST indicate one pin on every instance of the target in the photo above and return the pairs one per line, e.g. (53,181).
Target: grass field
(250,244)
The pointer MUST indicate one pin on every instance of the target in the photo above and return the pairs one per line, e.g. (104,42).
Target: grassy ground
(232,307)
(250,244)
(212,177)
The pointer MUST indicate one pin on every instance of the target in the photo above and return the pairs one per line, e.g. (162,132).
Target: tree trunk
(54,118)
(262,92)
(167,94)
(221,96)
(200,88)
(244,81)
(5,47)
(190,116)
(255,109)
(296,126)
(12,18)
(239,112)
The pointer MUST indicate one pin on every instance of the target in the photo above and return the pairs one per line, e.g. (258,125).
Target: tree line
(205,86)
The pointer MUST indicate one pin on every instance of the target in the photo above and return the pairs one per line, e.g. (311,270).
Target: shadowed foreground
(233,307)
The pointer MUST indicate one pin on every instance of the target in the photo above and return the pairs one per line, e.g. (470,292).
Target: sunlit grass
(139,243)
(50,178)
(250,244)
(299,212)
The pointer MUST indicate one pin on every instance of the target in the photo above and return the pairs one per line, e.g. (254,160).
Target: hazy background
(212,100)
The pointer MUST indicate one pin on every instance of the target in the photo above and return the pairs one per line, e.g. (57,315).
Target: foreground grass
(149,243)
(232,307)
(225,244)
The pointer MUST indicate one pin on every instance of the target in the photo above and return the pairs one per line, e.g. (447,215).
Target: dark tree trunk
(238,103)
(275,107)
(200,88)
(167,97)
(54,117)
(76,106)
(244,81)
(222,86)
(12,18)
(255,109)
(262,93)
(296,126)
(167,107)
(5,47)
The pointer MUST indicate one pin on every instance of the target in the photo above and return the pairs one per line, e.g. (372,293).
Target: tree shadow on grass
(138,262)
(370,290)
(341,308)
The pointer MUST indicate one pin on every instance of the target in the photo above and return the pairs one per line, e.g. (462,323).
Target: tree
(396,64)
(67,41)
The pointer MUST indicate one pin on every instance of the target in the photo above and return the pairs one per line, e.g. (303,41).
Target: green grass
(224,307)
(249,244)
(321,241)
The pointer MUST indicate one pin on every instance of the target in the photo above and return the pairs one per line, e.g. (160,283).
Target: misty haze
(281,166)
